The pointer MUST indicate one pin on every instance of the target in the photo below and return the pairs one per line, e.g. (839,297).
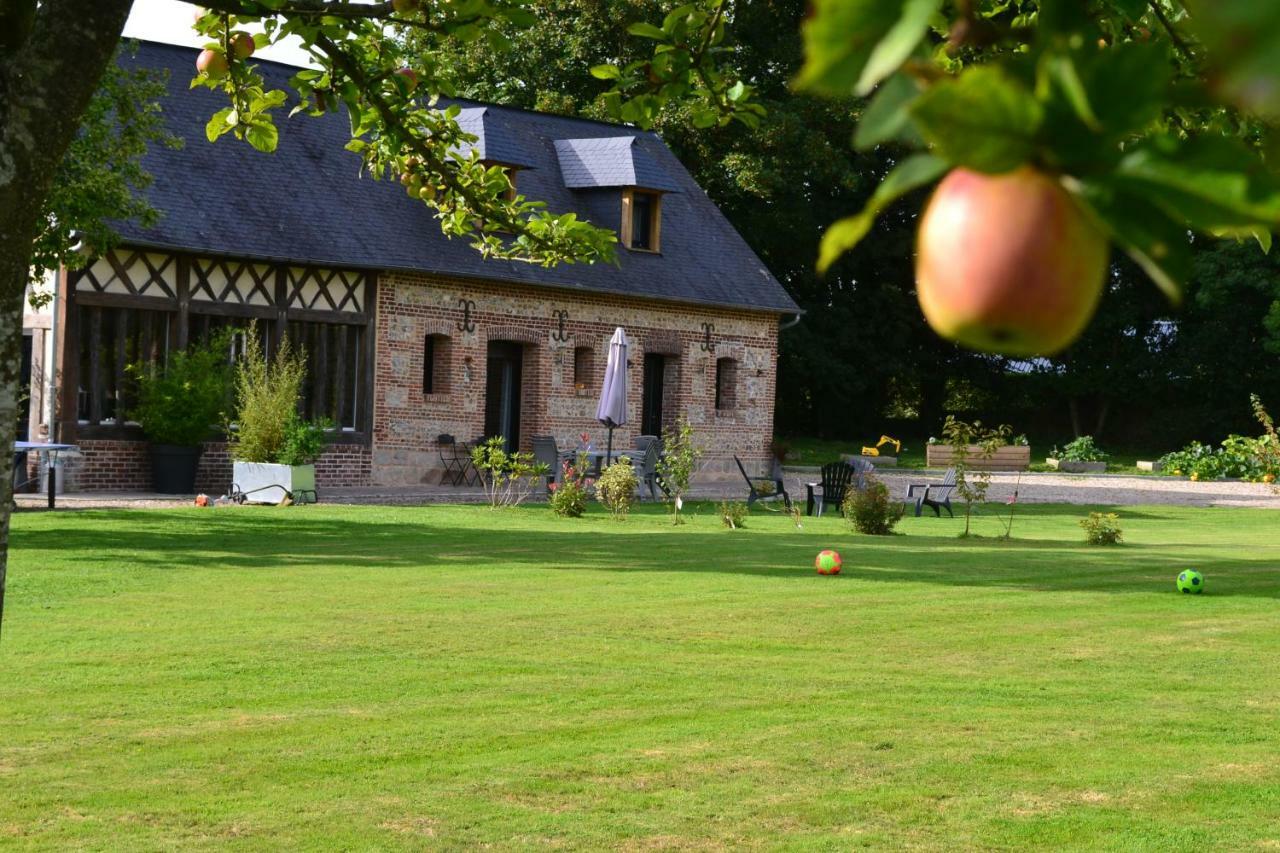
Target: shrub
(1238,456)
(304,441)
(181,402)
(871,509)
(1082,449)
(676,467)
(569,492)
(972,484)
(733,514)
(1101,528)
(267,394)
(617,486)
(507,477)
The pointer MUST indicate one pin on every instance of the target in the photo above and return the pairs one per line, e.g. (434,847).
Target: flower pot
(173,468)
(268,483)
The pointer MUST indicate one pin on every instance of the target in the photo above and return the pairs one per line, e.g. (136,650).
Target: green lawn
(442,677)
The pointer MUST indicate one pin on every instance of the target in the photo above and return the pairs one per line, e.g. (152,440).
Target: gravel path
(1114,490)
(1104,490)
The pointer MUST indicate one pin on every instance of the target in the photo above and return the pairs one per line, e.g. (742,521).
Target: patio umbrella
(612,411)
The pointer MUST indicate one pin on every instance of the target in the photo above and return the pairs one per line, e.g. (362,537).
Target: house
(410,335)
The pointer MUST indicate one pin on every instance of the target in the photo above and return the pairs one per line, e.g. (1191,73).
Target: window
(111,339)
(726,384)
(583,366)
(334,387)
(641,220)
(435,365)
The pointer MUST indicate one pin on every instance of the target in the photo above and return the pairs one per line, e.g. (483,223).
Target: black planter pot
(173,469)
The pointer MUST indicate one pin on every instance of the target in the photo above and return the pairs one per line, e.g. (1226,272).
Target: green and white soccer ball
(1191,582)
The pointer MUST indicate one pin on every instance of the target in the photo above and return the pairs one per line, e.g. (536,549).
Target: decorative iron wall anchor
(707,344)
(559,334)
(466,324)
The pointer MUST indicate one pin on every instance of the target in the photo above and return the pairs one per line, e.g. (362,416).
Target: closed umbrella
(612,411)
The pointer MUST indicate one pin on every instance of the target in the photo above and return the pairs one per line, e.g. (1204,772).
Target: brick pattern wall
(411,307)
(124,466)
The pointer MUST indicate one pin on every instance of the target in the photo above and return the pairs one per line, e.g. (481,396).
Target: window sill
(644,251)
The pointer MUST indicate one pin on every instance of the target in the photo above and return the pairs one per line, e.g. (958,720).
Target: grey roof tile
(309,203)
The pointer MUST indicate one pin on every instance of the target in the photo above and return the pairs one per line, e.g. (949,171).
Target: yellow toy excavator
(884,439)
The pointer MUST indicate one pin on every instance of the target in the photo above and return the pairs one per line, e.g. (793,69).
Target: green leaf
(605,72)
(1158,243)
(1061,70)
(263,136)
(1242,39)
(839,38)
(648,31)
(888,115)
(910,174)
(983,119)
(1209,182)
(217,124)
(897,44)
(1131,9)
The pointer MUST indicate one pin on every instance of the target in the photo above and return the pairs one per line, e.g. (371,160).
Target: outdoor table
(50,453)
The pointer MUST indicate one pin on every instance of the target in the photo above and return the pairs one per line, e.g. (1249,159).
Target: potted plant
(1080,456)
(179,405)
(273,450)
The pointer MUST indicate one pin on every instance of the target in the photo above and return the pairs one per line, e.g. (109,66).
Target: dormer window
(641,220)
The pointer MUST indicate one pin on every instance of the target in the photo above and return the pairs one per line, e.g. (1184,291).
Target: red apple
(1008,263)
(406,79)
(242,46)
(212,63)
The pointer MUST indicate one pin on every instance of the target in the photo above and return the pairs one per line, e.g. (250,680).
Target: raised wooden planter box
(1153,467)
(1069,467)
(1011,457)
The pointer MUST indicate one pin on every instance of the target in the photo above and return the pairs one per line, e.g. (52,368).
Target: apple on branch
(1008,263)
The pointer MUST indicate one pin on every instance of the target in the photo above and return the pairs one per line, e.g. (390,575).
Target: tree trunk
(1104,409)
(1074,405)
(48,74)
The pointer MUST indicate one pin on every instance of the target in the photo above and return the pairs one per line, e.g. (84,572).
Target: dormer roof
(613,161)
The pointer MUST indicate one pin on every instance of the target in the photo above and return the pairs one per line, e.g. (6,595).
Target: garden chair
(646,467)
(453,462)
(753,494)
(547,453)
(643,442)
(861,469)
(836,479)
(933,495)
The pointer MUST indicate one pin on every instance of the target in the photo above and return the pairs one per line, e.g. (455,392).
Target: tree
(55,54)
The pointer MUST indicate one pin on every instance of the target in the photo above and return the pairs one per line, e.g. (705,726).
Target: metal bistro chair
(836,479)
(455,460)
(936,496)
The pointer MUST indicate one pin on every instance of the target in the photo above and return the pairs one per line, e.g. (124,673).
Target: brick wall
(407,421)
(124,466)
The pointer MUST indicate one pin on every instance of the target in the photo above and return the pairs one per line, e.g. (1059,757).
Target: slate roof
(611,162)
(308,203)
(495,139)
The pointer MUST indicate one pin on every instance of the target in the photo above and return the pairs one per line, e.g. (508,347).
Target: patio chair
(861,469)
(643,442)
(646,467)
(450,460)
(753,494)
(836,479)
(547,453)
(933,495)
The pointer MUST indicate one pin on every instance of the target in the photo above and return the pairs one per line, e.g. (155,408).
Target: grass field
(444,677)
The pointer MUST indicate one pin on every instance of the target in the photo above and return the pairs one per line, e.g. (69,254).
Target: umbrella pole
(608,454)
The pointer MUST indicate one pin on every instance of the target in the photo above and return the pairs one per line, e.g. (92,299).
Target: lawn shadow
(267,540)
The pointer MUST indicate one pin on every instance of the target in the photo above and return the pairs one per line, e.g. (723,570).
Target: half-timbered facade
(408,335)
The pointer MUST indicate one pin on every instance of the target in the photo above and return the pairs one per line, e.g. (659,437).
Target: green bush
(733,514)
(1101,528)
(507,477)
(871,509)
(1082,449)
(181,402)
(677,464)
(1238,456)
(267,394)
(304,441)
(616,488)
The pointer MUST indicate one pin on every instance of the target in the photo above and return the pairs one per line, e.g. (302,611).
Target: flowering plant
(569,493)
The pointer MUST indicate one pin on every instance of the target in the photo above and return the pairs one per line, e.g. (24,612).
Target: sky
(169,21)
